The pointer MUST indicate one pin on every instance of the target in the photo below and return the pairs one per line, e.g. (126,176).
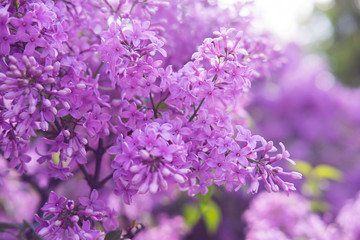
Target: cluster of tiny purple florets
(88,89)
(66,219)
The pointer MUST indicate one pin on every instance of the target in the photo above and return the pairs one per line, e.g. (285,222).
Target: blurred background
(326,27)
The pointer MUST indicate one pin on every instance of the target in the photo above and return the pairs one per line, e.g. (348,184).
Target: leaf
(327,172)
(162,106)
(133,223)
(191,215)
(302,167)
(4,226)
(320,206)
(211,215)
(113,235)
(17,5)
(311,187)
(55,157)
(207,197)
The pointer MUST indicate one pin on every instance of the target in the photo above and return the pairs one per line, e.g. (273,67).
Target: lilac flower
(125,191)
(238,155)
(90,86)
(203,122)
(71,109)
(6,40)
(58,170)
(288,218)
(65,222)
(217,68)
(95,120)
(132,115)
(173,228)
(93,201)
(4,19)
(137,33)
(164,150)
(33,40)
(162,130)
(23,25)
(226,144)
(54,204)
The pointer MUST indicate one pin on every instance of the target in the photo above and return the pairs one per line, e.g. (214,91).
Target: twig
(196,110)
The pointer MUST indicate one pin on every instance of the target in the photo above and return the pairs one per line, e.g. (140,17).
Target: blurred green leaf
(302,167)
(162,106)
(207,197)
(311,188)
(320,206)
(4,226)
(113,235)
(327,172)
(191,215)
(55,157)
(212,216)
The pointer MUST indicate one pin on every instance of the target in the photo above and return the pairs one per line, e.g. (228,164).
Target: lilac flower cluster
(291,217)
(87,79)
(287,218)
(168,228)
(65,219)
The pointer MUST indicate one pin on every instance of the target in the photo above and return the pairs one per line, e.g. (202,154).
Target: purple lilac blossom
(92,81)
(167,228)
(277,216)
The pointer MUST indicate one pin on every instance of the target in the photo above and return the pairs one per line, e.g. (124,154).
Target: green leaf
(191,215)
(211,215)
(207,197)
(302,167)
(320,206)
(4,226)
(113,235)
(55,157)
(327,172)
(311,188)
(162,106)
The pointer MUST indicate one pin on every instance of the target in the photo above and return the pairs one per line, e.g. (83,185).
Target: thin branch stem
(153,106)
(255,161)
(84,170)
(162,100)
(132,6)
(98,154)
(102,182)
(98,69)
(196,110)
(202,101)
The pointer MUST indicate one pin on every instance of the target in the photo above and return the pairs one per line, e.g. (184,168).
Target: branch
(196,110)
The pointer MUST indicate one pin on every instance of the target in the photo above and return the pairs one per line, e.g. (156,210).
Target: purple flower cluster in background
(316,117)
(291,218)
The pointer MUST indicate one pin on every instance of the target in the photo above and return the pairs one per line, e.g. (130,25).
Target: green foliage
(113,235)
(302,167)
(191,214)
(212,216)
(206,209)
(320,206)
(55,157)
(315,177)
(327,172)
(19,230)
(162,106)
(4,226)
(343,48)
